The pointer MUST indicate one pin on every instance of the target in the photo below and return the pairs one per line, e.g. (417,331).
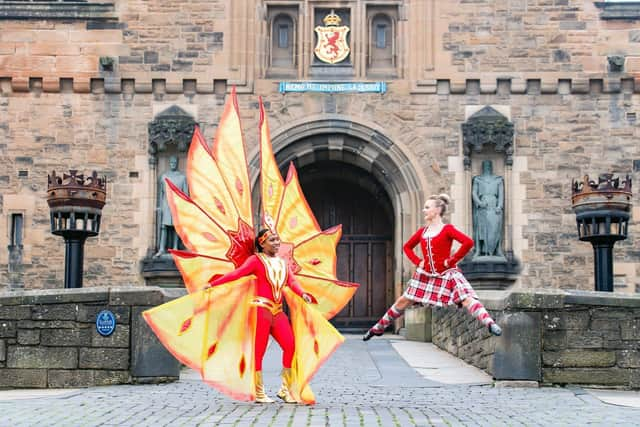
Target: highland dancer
(437,280)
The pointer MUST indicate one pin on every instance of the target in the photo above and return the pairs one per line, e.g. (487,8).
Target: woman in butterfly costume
(235,296)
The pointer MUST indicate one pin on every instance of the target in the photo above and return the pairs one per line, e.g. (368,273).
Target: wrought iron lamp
(75,204)
(602,213)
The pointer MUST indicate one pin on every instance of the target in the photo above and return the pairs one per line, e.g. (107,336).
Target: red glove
(309,298)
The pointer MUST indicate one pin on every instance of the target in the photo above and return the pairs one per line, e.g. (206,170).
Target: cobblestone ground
(363,384)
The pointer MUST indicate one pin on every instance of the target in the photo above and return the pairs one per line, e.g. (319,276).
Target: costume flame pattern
(212,330)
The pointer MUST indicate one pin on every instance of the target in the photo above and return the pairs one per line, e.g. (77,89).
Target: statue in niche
(488,210)
(168,238)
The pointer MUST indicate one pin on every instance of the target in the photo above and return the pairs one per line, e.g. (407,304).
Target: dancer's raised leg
(394,312)
(477,310)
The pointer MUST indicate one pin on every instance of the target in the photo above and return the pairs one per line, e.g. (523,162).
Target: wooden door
(365,250)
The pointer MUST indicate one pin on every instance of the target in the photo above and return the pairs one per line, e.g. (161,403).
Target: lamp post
(602,213)
(75,204)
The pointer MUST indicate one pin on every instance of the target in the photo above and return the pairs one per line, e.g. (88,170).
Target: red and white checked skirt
(447,288)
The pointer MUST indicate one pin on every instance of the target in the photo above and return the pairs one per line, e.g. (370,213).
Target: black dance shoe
(370,334)
(495,329)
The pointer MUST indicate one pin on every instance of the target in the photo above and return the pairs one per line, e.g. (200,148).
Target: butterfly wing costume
(213,330)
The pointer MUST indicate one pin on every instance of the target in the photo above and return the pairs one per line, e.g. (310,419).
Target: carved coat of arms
(332,44)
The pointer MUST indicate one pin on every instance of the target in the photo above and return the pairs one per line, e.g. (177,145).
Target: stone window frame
(273,13)
(392,14)
(78,9)
(616,9)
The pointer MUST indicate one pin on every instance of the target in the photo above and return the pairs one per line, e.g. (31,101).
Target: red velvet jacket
(437,249)
(254,266)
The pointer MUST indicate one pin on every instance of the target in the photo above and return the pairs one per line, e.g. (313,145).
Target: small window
(619,9)
(381,36)
(282,43)
(381,51)
(283,36)
(16,229)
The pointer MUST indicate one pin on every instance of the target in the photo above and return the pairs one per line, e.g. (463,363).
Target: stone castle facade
(80,85)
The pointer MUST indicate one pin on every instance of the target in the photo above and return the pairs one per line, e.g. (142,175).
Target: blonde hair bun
(445,198)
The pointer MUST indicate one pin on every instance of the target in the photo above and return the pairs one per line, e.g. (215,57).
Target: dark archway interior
(339,193)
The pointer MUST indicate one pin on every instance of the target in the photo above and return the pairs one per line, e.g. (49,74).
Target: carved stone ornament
(173,126)
(487,127)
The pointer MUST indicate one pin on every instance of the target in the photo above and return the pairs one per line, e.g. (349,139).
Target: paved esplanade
(363,384)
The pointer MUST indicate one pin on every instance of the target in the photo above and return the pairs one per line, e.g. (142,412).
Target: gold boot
(287,379)
(261,396)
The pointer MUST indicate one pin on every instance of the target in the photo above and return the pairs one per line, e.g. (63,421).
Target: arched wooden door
(342,194)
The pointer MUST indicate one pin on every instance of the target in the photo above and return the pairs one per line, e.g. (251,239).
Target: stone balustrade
(550,336)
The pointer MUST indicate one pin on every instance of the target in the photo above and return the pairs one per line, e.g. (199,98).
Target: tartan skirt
(439,290)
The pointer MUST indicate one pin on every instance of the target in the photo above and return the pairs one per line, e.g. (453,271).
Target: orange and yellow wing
(271,182)
(213,332)
(214,220)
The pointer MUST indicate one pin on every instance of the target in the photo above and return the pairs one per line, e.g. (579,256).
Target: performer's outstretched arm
(294,284)
(248,267)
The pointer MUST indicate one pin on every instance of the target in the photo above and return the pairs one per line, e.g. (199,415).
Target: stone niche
(170,135)
(488,160)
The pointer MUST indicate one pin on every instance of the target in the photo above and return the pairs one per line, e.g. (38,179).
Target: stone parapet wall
(554,337)
(189,85)
(48,339)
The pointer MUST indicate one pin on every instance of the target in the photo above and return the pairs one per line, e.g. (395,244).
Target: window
(282,41)
(16,229)
(79,9)
(283,36)
(381,52)
(381,36)
(619,9)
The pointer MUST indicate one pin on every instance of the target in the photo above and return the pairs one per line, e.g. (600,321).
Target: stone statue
(488,208)
(165,220)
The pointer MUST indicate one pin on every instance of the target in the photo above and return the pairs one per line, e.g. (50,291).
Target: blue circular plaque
(105,323)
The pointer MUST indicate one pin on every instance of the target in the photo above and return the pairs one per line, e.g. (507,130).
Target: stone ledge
(54,296)
(111,296)
(56,10)
(542,299)
(610,299)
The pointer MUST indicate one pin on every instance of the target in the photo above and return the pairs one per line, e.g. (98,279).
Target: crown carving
(608,192)
(606,182)
(332,20)
(75,189)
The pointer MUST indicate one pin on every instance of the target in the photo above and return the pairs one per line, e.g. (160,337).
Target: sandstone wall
(542,63)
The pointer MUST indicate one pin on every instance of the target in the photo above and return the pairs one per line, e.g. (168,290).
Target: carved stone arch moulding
(173,126)
(487,127)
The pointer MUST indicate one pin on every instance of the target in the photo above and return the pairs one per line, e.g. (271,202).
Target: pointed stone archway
(352,173)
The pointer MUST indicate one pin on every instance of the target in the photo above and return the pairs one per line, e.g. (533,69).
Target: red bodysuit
(270,317)
(437,249)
